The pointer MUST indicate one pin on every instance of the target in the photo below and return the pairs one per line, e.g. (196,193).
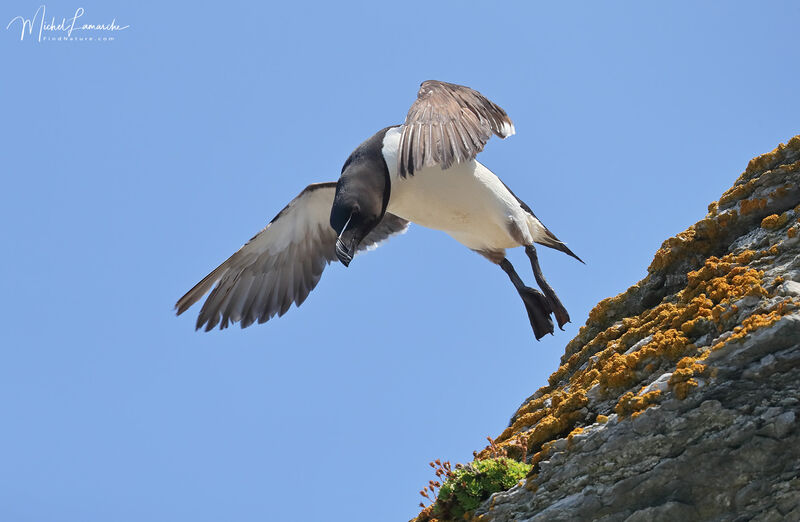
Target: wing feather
(448,124)
(280,265)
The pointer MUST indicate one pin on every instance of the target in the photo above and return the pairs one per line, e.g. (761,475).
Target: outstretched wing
(280,265)
(448,124)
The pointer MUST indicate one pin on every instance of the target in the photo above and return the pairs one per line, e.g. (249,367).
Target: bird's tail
(550,240)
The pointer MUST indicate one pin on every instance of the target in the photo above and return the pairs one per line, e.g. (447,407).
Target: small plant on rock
(460,489)
(443,472)
(472,484)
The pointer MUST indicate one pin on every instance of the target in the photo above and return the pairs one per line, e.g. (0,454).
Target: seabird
(423,171)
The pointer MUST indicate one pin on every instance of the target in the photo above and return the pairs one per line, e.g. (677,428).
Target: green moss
(474,483)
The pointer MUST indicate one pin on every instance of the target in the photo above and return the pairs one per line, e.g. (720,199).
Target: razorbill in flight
(423,171)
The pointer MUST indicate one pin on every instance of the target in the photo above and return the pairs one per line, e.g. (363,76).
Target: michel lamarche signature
(63,30)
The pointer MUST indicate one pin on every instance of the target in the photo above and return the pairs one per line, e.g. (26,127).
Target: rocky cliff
(680,398)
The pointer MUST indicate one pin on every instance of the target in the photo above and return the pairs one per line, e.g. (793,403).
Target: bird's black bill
(344,253)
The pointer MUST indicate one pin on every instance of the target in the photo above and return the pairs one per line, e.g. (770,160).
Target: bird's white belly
(467,201)
(457,201)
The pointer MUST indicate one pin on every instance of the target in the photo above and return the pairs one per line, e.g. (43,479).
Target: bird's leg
(536,304)
(555,304)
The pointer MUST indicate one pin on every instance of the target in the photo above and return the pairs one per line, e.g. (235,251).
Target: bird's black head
(358,207)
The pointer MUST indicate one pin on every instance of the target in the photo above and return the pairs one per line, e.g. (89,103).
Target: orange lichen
(547,429)
(788,168)
(602,419)
(780,192)
(699,238)
(706,302)
(556,376)
(630,403)
(746,206)
(596,314)
(617,371)
(725,278)
(567,403)
(572,434)
(683,388)
(752,323)
(538,456)
(669,344)
(523,421)
(672,249)
(774,221)
(545,420)
(728,218)
(682,379)
(736,193)
(765,161)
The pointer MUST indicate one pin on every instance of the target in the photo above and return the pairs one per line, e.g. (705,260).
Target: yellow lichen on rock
(774,221)
(547,416)
(752,323)
(631,403)
(707,298)
(747,206)
(736,193)
(576,431)
(764,161)
(683,388)
(781,191)
(724,279)
(682,379)
(672,248)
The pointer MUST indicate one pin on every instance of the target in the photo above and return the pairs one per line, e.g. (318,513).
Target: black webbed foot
(537,305)
(538,308)
(561,313)
(555,303)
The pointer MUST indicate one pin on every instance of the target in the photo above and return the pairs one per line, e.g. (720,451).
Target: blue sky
(132,168)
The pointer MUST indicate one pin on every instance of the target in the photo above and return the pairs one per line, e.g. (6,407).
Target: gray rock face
(685,390)
(726,452)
